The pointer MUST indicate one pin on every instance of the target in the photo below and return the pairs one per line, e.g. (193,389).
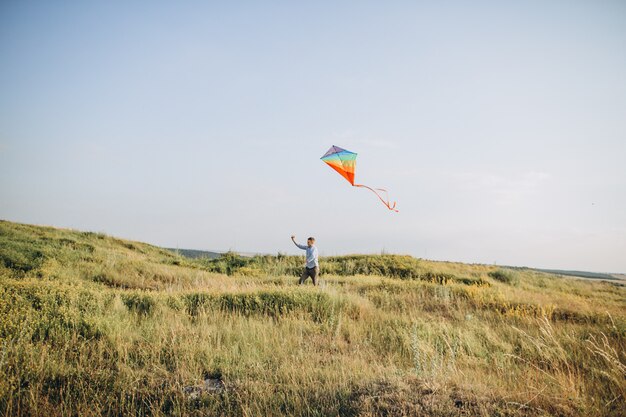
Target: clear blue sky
(499,127)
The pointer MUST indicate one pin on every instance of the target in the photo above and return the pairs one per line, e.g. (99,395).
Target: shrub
(174,303)
(21,257)
(142,304)
(505,275)
(437,277)
(195,301)
(319,306)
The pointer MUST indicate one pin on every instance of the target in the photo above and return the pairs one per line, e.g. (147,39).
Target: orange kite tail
(385,201)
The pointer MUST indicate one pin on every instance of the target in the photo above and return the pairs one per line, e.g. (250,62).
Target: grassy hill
(195,254)
(576,274)
(95,325)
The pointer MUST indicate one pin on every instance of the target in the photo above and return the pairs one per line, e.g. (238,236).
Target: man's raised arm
(293,239)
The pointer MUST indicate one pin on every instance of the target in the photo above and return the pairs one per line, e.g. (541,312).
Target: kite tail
(385,200)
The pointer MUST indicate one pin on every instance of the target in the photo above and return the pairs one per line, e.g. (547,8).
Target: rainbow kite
(344,162)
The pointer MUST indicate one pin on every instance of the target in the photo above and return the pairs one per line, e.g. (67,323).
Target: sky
(498,127)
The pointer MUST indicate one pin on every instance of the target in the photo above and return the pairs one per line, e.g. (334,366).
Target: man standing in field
(312,267)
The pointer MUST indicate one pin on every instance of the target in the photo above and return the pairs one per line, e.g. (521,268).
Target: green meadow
(92,325)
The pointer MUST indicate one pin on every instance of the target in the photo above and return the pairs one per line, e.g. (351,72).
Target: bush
(505,275)
(319,306)
(142,304)
(20,257)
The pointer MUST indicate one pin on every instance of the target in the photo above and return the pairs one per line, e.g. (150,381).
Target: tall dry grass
(92,325)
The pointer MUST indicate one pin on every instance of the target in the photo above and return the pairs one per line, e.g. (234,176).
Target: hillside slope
(94,325)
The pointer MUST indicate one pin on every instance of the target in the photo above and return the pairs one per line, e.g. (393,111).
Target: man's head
(310,241)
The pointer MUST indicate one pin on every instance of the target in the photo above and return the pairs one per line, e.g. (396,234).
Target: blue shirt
(311,255)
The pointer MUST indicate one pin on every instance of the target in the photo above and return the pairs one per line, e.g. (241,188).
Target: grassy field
(94,325)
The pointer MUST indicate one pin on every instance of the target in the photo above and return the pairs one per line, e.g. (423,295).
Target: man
(312,267)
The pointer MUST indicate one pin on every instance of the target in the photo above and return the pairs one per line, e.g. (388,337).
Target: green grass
(94,325)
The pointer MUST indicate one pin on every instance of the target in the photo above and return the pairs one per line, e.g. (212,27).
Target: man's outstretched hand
(293,237)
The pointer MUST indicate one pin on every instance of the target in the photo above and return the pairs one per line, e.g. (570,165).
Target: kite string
(387,196)
(385,202)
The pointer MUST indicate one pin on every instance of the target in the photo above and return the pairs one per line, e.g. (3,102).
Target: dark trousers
(310,272)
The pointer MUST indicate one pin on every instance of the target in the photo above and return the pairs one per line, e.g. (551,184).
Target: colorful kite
(344,162)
